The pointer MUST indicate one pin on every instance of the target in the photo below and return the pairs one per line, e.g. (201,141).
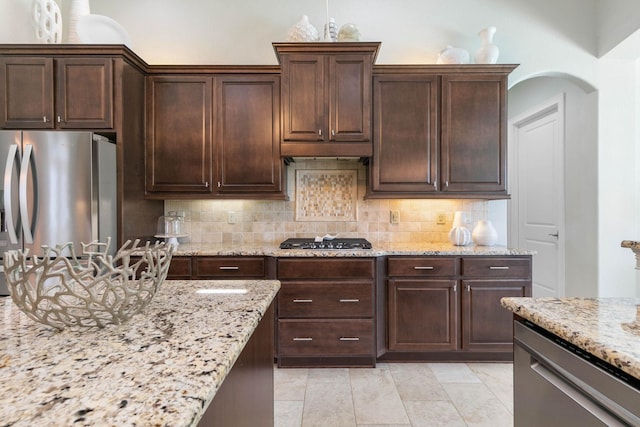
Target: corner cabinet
(439,132)
(47,92)
(200,129)
(326,98)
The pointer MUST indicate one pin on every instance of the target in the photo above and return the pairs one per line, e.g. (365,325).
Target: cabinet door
(405,135)
(179,139)
(303,98)
(26,93)
(487,326)
(423,315)
(84,94)
(248,134)
(349,104)
(474,131)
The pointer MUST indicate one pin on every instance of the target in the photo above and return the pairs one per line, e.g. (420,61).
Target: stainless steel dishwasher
(558,384)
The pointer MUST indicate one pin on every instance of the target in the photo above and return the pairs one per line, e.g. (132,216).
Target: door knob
(554,234)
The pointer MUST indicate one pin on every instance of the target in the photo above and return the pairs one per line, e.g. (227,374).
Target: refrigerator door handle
(8,177)
(22,186)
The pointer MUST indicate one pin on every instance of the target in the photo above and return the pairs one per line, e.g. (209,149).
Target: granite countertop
(436,249)
(608,328)
(162,367)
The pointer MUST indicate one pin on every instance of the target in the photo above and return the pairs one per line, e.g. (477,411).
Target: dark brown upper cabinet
(43,92)
(326,98)
(439,132)
(214,135)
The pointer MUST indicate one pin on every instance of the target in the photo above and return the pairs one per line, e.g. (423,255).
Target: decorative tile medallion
(326,195)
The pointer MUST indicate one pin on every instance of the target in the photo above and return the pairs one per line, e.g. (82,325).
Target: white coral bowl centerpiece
(93,290)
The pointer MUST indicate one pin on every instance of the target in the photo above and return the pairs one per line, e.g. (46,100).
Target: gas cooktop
(335,243)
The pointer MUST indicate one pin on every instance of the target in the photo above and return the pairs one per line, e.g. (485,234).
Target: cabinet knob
(319,132)
(333,132)
(44,119)
(59,119)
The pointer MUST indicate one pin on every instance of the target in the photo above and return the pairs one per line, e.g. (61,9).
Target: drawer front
(325,337)
(326,268)
(422,266)
(229,267)
(515,267)
(325,299)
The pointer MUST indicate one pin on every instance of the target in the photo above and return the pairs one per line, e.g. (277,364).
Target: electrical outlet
(441,218)
(232,217)
(395,217)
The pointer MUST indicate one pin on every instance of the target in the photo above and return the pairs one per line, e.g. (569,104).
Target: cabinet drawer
(325,337)
(422,266)
(517,267)
(325,299)
(229,267)
(309,268)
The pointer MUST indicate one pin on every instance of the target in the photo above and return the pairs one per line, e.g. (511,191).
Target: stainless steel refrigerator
(55,187)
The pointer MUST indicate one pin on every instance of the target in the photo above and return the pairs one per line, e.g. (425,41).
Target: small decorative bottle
(484,234)
(488,52)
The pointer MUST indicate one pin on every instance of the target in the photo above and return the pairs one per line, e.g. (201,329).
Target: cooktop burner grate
(337,243)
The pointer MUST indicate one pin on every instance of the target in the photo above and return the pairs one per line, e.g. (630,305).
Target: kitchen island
(165,366)
(576,361)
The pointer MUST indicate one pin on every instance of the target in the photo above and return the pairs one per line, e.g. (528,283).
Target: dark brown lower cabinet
(326,312)
(245,398)
(448,308)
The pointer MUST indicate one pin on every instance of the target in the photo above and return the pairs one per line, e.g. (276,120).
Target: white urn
(484,234)
(488,52)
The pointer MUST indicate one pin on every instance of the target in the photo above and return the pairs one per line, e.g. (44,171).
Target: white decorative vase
(47,21)
(488,52)
(459,235)
(453,55)
(302,31)
(484,234)
(78,9)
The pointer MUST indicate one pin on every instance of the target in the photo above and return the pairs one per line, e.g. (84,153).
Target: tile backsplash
(259,222)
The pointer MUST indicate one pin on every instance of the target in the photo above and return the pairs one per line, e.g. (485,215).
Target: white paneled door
(537,188)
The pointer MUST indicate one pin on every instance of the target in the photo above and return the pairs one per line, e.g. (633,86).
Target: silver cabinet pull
(206,184)
(423,268)
(44,119)
(333,132)
(455,288)
(302,339)
(498,267)
(302,300)
(349,339)
(231,267)
(350,300)
(319,132)
(59,119)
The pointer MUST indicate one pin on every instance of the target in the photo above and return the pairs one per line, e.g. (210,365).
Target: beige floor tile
(375,397)
(289,383)
(478,405)
(433,414)
(416,381)
(498,377)
(287,413)
(328,400)
(453,373)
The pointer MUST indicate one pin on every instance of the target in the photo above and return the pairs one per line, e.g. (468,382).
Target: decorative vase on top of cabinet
(326,98)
